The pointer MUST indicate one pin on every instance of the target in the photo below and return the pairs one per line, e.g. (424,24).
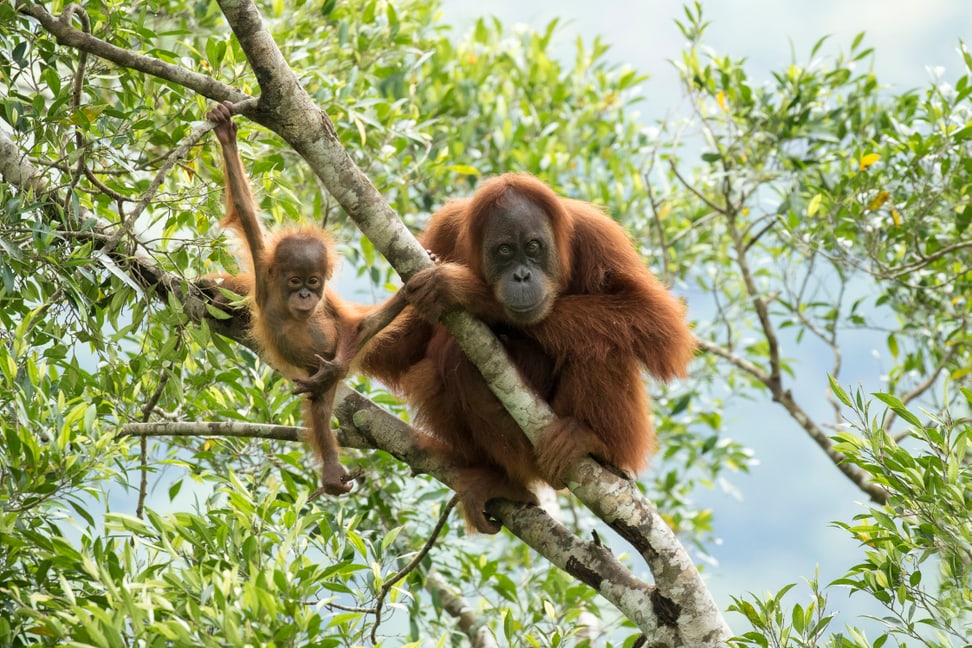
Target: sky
(779,529)
(908,36)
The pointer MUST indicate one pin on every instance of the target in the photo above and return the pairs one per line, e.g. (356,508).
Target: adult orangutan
(562,287)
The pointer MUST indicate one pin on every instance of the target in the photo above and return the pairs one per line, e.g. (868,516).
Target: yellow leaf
(814,205)
(868,160)
(664,210)
(464,169)
(878,200)
(721,99)
(896,216)
(361,129)
(959,373)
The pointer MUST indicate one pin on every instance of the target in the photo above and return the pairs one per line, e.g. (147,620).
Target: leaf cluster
(789,213)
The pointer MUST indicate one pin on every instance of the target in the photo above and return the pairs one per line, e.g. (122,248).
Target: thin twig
(927,259)
(663,246)
(173,158)
(177,154)
(77,86)
(785,398)
(757,299)
(738,361)
(688,185)
(147,410)
(758,235)
(410,567)
(105,189)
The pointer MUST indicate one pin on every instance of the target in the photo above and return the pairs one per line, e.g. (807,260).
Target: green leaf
(893,345)
(963,218)
(797,618)
(217,313)
(962,134)
(839,391)
(898,408)
(129,523)
(174,489)
(367,251)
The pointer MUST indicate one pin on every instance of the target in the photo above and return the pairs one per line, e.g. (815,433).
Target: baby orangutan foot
(324,379)
(335,480)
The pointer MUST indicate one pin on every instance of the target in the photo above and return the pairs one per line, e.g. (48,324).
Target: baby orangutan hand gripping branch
(302,327)
(567,294)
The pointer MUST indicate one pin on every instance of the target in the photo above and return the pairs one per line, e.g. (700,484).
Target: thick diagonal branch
(615,500)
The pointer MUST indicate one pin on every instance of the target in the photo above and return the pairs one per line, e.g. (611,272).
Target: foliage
(916,559)
(794,212)
(823,207)
(223,545)
(924,526)
(841,208)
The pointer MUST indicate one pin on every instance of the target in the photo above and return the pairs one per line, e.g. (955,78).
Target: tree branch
(773,379)
(366,426)
(785,398)
(775,382)
(17,170)
(412,564)
(615,500)
(65,34)
(457,606)
(926,259)
(215,429)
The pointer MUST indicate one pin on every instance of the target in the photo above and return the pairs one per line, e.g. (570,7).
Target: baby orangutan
(302,327)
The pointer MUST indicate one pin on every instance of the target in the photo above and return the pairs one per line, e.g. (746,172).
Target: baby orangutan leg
(335,480)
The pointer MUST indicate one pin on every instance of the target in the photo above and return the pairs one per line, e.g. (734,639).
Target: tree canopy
(152,491)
